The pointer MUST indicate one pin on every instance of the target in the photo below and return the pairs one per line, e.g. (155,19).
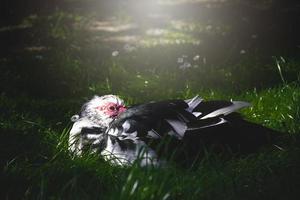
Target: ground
(56,55)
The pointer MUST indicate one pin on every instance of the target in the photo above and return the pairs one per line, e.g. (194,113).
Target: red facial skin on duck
(112,109)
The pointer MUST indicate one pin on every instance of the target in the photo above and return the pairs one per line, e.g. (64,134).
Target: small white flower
(180,60)
(242,51)
(185,65)
(115,53)
(196,57)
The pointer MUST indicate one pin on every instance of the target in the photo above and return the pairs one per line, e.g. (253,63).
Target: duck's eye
(112,108)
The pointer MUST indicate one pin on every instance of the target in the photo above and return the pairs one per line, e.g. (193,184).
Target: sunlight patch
(110,26)
(122,39)
(180,2)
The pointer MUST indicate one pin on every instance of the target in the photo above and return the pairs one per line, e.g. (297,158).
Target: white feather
(222,121)
(116,156)
(153,134)
(178,126)
(75,140)
(236,105)
(193,103)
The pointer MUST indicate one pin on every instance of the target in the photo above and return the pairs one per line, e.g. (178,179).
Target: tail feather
(236,105)
(193,103)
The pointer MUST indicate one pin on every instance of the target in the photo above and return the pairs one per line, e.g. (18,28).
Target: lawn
(56,56)
(38,165)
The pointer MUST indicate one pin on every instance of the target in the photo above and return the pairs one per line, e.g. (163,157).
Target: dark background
(54,49)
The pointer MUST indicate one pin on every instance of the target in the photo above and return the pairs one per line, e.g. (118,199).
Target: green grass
(37,165)
(55,56)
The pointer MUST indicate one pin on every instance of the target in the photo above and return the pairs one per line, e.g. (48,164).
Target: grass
(196,53)
(37,165)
